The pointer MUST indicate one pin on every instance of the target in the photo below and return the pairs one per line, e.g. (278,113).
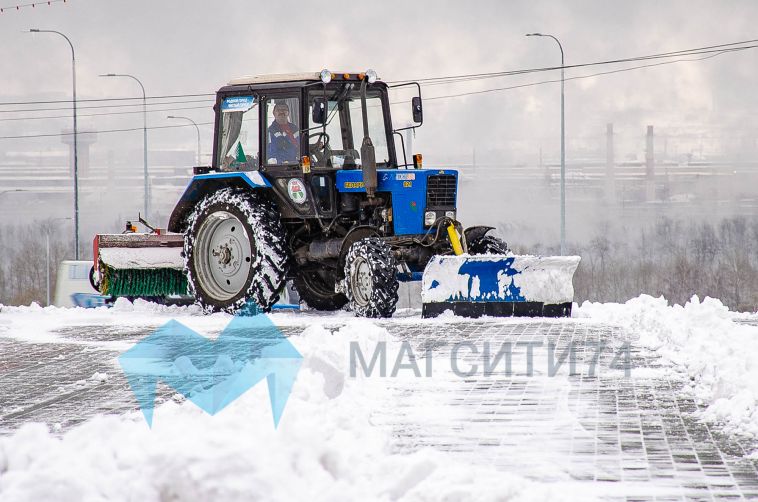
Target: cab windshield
(338,144)
(238,134)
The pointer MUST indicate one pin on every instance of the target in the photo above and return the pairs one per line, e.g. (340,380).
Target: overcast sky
(191,46)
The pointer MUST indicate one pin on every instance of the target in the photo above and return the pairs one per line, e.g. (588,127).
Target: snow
(143,258)
(544,279)
(325,448)
(703,340)
(329,444)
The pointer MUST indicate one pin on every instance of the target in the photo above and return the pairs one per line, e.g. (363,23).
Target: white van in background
(72,287)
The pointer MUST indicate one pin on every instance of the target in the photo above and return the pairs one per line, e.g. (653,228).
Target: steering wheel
(320,149)
(320,137)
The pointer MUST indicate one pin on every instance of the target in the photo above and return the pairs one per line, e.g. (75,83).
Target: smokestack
(610,175)
(650,165)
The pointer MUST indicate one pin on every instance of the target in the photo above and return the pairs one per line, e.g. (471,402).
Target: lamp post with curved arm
(13,190)
(563,145)
(198,133)
(76,148)
(146,207)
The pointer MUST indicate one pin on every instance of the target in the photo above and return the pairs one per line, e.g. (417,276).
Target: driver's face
(281,114)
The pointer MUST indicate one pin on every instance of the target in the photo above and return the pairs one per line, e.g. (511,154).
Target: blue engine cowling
(414,192)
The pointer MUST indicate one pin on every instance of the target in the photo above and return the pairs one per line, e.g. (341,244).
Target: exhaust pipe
(368,155)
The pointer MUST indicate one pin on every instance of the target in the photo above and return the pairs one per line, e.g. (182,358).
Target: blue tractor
(305,185)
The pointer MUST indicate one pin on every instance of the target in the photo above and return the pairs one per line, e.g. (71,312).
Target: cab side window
(283,131)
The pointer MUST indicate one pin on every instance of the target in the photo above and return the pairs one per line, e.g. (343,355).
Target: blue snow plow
(499,285)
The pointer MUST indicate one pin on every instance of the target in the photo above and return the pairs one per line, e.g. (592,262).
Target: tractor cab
(302,131)
(286,122)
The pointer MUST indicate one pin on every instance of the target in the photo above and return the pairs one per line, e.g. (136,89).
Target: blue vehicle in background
(305,185)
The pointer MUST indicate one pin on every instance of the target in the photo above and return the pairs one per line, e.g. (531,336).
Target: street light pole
(47,262)
(563,144)
(146,208)
(198,133)
(76,146)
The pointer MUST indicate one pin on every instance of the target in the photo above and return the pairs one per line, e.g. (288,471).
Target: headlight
(429,218)
(370,76)
(326,76)
(450,214)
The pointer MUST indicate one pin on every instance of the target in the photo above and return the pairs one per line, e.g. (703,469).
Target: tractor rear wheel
(487,244)
(316,288)
(370,283)
(234,251)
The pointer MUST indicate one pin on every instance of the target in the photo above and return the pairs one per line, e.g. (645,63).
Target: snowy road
(609,434)
(636,436)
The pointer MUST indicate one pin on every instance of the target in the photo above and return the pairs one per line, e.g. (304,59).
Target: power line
(97,100)
(68,108)
(433,98)
(103,114)
(579,77)
(646,58)
(101,132)
(453,78)
(426,82)
(610,72)
(686,52)
(711,54)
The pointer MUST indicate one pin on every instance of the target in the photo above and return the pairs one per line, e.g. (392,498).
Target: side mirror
(318,113)
(418,110)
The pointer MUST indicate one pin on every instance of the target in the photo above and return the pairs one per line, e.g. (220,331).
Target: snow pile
(38,324)
(325,448)
(718,355)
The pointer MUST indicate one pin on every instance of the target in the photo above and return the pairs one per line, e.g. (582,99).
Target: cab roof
(287,77)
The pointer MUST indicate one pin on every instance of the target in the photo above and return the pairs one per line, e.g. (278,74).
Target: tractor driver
(283,137)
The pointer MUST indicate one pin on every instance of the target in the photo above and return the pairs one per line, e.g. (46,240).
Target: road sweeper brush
(305,184)
(139,265)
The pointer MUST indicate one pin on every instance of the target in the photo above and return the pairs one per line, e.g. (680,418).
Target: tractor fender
(474,233)
(204,184)
(354,235)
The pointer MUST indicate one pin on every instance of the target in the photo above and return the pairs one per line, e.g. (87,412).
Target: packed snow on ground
(701,337)
(325,448)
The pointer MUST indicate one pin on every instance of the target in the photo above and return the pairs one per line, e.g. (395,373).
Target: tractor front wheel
(370,283)
(487,244)
(234,251)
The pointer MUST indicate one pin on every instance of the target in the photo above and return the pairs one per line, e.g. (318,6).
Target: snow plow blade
(139,265)
(499,285)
